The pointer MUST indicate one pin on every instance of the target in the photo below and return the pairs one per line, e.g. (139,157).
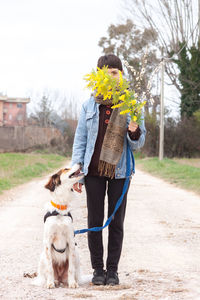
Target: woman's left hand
(132,126)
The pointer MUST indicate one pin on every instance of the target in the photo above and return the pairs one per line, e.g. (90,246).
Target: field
(184,173)
(18,168)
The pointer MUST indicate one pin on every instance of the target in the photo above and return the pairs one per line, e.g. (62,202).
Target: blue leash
(125,187)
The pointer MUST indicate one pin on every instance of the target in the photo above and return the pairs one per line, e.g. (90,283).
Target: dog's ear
(53,182)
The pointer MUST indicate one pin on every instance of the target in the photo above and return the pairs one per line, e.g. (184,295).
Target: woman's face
(114,73)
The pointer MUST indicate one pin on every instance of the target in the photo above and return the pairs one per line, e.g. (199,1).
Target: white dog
(59,261)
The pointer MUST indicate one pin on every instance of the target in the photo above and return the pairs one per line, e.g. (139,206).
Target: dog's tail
(30,275)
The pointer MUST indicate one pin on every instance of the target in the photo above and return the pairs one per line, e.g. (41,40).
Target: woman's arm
(80,140)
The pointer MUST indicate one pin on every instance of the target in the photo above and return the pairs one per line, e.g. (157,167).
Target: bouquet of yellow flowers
(117,89)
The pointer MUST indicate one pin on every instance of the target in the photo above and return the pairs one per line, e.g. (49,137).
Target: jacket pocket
(90,114)
(89,119)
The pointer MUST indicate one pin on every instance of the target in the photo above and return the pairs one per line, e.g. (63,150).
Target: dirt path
(161,253)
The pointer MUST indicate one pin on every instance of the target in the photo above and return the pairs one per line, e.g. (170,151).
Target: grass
(18,168)
(183,175)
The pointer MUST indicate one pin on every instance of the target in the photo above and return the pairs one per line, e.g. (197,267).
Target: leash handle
(125,187)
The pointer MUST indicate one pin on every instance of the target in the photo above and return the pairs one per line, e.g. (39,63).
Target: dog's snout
(75,174)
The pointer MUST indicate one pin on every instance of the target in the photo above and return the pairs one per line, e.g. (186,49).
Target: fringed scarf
(113,142)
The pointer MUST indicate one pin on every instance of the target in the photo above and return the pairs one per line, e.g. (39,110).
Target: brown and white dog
(59,261)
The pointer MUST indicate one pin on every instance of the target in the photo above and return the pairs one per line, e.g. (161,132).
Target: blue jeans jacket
(86,135)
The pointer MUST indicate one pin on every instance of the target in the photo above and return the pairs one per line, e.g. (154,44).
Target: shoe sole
(112,283)
(98,283)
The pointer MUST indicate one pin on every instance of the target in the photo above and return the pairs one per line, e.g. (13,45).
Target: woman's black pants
(96,188)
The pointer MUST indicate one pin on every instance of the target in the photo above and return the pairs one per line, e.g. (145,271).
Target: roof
(12,99)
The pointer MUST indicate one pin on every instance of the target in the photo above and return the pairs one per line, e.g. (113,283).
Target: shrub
(182,138)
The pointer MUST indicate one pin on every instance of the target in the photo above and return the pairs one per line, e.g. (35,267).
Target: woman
(100,146)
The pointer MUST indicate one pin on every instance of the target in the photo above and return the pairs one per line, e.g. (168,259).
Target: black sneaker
(99,277)
(112,278)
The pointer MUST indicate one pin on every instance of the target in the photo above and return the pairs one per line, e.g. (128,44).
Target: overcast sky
(51,43)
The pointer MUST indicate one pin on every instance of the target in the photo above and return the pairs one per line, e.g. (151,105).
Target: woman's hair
(110,61)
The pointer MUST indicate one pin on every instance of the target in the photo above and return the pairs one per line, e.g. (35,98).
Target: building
(13,111)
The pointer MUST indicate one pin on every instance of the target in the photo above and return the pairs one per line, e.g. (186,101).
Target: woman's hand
(132,126)
(78,187)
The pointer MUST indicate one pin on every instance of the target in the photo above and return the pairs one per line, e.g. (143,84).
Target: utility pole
(161,143)
(199,18)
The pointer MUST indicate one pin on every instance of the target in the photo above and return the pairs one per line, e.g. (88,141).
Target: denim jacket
(86,135)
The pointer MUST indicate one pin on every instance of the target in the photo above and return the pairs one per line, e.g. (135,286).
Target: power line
(167,59)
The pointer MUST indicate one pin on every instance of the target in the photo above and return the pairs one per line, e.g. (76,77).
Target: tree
(130,44)
(43,112)
(49,107)
(176,24)
(69,108)
(189,66)
(53,109)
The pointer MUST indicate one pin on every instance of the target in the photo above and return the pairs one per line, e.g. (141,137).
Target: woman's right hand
(78,187)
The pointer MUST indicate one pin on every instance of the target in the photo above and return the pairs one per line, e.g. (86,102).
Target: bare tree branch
(173,21)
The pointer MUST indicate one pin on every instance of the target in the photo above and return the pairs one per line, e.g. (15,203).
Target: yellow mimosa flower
(125,112)
(120,78)
(134,118)
(133,102)
(122,97)
(127,92)
(117,105)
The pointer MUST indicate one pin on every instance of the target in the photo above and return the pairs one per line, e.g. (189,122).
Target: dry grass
(17,168)
(194,162)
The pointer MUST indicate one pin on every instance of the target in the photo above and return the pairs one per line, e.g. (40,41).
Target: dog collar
(59,206)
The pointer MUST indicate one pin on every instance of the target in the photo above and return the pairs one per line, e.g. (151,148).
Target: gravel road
(161,251)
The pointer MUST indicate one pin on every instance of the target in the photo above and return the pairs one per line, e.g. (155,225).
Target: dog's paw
(73,284)
(50,285)
(57,284)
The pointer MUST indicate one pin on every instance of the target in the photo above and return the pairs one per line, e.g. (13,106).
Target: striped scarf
(113,142)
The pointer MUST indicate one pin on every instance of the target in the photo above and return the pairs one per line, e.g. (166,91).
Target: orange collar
(61,207)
